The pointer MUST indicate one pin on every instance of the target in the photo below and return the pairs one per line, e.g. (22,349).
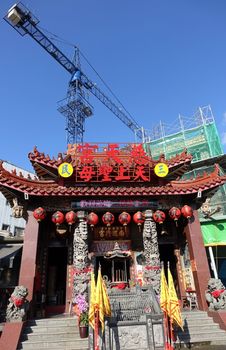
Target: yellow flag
(164,293)
(174,306)
(107,305)
(92,301)
(102,301)
(99,304)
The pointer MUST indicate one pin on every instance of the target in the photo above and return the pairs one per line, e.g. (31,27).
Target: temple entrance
(56,276)
(166,252)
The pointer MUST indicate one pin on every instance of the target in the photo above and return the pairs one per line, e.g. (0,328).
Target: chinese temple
(113,206)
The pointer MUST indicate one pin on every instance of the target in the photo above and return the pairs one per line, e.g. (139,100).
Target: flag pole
(96,330)
(164,306)
(170,315)
(171,332)
(166,329)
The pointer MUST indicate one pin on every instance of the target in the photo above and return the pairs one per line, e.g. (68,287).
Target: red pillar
(28,261)
(199,262)
(11,335)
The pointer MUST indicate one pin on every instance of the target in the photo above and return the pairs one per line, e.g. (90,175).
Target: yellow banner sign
(65,169)
(161,170)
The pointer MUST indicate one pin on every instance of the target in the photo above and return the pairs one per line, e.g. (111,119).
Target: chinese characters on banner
(130,163)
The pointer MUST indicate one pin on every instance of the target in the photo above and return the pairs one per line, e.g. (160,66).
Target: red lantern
(187,211)
(58,218)
(124,218)
(92,219)
(159,216)
(70,217)
(174,213)
(39,214)
(138,218)
(108,218)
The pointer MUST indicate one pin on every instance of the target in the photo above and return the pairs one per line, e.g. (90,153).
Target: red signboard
(93,163)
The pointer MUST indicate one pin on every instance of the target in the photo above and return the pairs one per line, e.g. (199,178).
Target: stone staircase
(200,328)
(53,333)
(63,333)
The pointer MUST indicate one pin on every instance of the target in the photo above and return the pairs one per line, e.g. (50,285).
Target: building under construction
(199,135)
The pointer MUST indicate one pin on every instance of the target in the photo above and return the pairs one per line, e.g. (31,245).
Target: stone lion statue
(216,294)
(18,305)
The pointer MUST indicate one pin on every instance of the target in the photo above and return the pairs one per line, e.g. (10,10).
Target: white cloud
(224,117)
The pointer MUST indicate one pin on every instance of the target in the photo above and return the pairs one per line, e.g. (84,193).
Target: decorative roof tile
(51,188)
(40,159)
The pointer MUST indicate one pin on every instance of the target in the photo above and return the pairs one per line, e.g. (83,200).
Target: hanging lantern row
(175,213)
(124,218)
(92,219)
(57,218)
(108,218)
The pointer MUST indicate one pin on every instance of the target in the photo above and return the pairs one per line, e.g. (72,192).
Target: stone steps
(62,344)
(52,329)
(53,333)
(195,314)
(50,335)
(64,321)
(199,328)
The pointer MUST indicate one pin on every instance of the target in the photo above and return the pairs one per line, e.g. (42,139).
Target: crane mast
(76,107)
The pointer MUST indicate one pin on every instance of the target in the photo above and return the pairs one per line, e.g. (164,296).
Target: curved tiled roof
(44,165)
(12,181)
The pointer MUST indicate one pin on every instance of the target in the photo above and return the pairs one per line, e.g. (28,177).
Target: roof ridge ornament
(17,210)
(117,252)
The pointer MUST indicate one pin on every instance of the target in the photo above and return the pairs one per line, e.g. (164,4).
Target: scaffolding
(197,133)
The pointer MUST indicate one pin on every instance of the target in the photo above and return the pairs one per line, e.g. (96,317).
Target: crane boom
(22,20)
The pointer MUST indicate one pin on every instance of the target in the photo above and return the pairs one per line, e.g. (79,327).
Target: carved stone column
(151,252)
(80,257)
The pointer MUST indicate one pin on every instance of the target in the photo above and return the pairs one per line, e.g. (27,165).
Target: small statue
(216,294)
(18,305)
(17,209)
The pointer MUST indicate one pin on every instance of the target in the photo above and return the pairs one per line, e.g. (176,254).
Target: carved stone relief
(80,257)
(151,272)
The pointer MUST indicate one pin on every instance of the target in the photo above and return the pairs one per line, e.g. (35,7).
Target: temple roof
(46,167)
(11,184)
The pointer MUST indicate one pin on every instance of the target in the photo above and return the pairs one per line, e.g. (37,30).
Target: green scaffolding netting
(202,142)
(214,233)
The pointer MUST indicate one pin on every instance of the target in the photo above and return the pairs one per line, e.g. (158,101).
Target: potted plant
(83,316)
(84,324)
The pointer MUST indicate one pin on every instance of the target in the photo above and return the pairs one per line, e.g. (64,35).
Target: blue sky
(160,57)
